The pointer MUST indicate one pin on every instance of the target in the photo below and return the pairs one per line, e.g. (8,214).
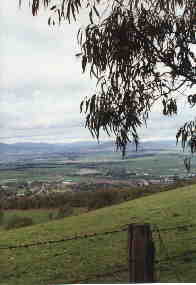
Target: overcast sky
(41,83)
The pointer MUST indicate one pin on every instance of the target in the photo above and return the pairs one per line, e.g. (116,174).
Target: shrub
(18,222)
(1,217)
(51,216)
(79,199)
(65,211)
(103,198)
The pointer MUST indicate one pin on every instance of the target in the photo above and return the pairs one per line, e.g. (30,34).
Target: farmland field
(154,166)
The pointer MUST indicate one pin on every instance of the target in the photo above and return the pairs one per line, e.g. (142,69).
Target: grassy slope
(38,216)
(78,259)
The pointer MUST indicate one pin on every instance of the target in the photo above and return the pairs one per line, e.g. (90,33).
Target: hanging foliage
(140,54)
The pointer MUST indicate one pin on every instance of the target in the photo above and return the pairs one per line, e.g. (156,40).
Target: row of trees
(89,199)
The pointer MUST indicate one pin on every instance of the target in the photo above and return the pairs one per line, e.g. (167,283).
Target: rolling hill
(78,259)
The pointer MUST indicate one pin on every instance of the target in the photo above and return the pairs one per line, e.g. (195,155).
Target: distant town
(40,169)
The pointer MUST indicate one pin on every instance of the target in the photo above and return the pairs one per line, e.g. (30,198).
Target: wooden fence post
(141,254)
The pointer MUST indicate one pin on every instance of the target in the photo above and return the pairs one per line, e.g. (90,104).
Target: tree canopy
(141,52)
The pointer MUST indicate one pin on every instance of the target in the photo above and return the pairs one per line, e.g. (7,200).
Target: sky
(42,84)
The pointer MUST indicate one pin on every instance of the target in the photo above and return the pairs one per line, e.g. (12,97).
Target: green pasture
(78,259)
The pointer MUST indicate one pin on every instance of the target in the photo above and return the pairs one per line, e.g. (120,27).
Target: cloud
(41,83)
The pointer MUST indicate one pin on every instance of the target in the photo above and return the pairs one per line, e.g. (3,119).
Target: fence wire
(98,276)
(168,258)
(179,227)
(89,235)
(76,237)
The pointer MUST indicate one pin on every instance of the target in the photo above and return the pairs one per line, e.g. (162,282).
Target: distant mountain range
(33,152)
(81,147)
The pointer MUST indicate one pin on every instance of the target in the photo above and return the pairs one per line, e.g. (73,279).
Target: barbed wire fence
(163,257)
(171,254)
(72,238)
